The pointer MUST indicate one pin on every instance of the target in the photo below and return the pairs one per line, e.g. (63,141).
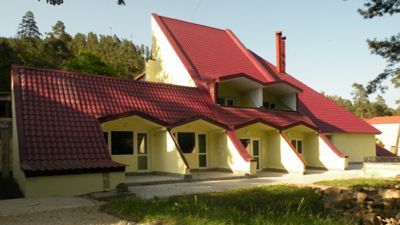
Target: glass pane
(230,102)
(258,162)
(256,148)
(266,105)
(142,162)
(202,160)
(221,101)
(300,146)
(121,142)
(273,106)
(142,143)
(186,141)
(202,143)
(245,142)
(293,142)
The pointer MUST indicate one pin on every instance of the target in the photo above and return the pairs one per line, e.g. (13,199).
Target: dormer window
(268,105)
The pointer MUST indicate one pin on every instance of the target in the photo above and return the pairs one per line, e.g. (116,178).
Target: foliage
(28,28)
(361,106)
(91,53)
(358,182)
(280,204)
(388,48)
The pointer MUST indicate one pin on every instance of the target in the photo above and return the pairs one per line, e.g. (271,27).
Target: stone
(369,219)
(390,193)
(122,188)
(397,186)
(361,196)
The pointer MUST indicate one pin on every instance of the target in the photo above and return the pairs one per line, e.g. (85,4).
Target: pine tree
(28,28)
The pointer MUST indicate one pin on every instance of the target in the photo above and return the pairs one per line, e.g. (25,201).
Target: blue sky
(326,40)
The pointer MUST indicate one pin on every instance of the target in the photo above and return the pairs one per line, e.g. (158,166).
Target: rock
(369,219)
(122,188)
(374,197)
(377,205)
(390,193)
(361,196)
(397,186)
(333,191)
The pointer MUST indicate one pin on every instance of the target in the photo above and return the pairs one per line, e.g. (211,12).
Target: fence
(382,159)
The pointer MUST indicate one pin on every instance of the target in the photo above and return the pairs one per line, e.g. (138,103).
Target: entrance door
(202,151)
(142,152)
(253,147)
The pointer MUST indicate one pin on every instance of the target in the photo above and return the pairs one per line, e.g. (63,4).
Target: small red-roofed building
(390,128)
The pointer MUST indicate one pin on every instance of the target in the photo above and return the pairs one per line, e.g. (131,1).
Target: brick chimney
(280,52)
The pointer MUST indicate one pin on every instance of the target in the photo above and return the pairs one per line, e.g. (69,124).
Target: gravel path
(79,216)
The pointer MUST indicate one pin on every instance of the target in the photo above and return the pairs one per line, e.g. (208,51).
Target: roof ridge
(184,21)
(102,76)
(249,56)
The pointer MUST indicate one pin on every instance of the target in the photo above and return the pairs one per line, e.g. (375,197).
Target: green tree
(88,62)
(28,28)
(388,48)
(7,57)
(361,101)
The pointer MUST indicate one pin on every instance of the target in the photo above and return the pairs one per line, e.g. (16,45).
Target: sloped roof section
(326,114)
(214,53)
(381,151)
(58,115)
(240,116)
(384,120)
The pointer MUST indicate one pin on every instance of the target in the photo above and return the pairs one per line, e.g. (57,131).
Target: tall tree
(28,28)
(388,48)
(361,101)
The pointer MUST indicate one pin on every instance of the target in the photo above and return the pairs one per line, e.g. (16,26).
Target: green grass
(358,182)
(279,204)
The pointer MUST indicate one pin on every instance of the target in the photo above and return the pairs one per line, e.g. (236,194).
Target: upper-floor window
(226,101)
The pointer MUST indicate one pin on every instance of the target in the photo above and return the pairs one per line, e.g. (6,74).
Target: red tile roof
(213,53)
(58,114)
(239,117)
(384,120)
(381,151)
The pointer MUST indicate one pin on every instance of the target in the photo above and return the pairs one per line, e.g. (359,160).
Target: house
(390,128)
(206,102)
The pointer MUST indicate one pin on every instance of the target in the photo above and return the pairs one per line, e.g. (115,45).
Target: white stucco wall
(166,67)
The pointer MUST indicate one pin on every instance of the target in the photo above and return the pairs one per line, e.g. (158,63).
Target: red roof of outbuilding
(58,114)
(384,120)
(381,151)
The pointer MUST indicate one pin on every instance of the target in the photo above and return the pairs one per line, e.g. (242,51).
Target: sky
(326,40)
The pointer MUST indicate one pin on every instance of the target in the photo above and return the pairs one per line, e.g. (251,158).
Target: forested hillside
(89,53)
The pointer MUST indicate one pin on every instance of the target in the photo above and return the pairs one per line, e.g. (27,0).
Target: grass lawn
(280,204)
(358,182)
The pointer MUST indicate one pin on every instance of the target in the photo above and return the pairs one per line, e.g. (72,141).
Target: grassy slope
(261,205)
(358,182)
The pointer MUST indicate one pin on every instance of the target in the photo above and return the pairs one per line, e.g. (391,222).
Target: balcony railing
(382,159)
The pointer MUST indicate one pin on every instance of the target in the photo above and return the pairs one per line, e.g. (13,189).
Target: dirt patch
(79,216)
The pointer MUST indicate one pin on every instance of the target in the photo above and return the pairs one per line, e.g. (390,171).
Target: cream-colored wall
(236,162)
(389,134)
(356,146)
(167,157)
(18,174)
(166,66)
(210,130)
(250,98)
(218,157)
(281,156)
(258,133)
(137,125)
(318,154)
(69,185)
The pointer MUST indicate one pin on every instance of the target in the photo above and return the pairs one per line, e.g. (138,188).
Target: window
(186,141)
(330,138)
(230,102)
(298,145)
(269,105)
(220,101)
(226,101)
(245,142)
(121,142)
